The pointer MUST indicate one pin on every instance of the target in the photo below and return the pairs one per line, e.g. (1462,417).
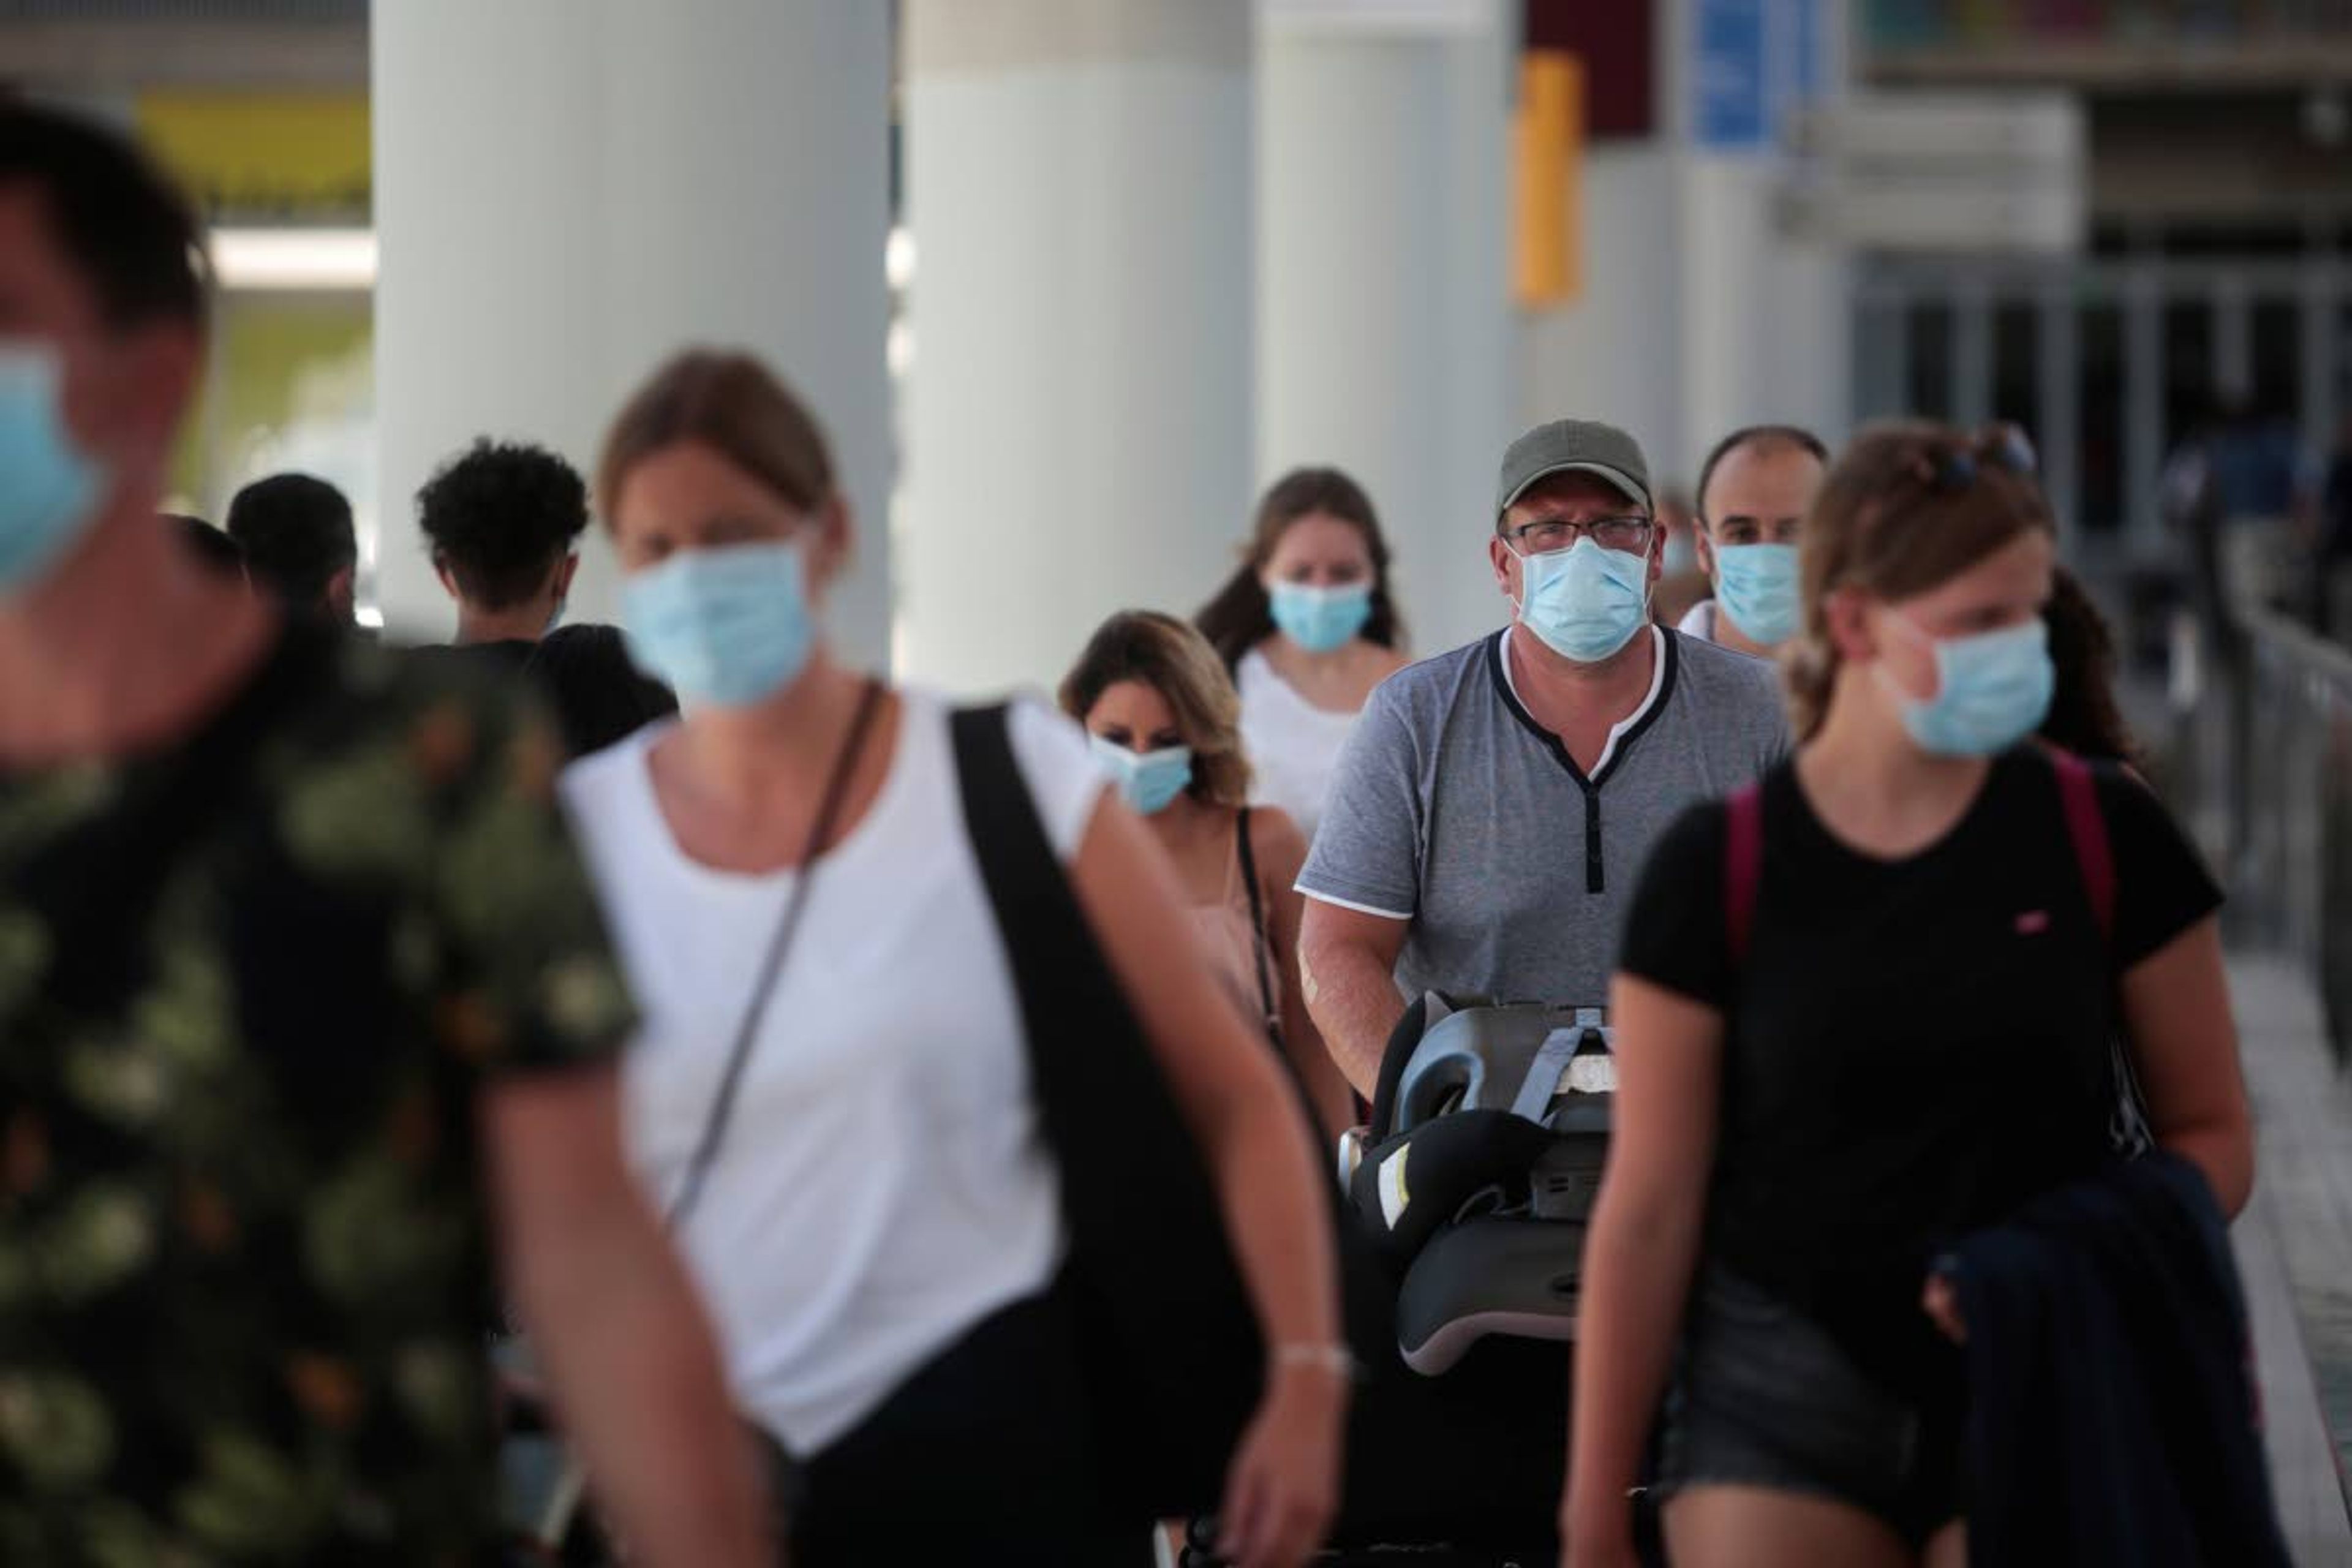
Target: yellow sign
(254,156)
(1547,147)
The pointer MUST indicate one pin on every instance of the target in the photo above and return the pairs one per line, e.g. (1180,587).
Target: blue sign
(1752,62)
(1731,105)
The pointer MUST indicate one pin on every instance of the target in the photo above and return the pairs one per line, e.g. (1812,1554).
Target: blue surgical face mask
(1991,690)
(1320,620)
(1150,781)
(49,493)
(726,627)
(1585,601)
(1756,586)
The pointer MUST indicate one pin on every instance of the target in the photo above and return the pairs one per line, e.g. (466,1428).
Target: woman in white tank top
(1164,724)
(1308,628)
(881,1238)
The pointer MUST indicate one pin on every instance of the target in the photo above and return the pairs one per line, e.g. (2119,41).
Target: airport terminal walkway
(2294,1246)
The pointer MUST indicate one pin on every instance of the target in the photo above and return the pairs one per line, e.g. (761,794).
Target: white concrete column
(1078,411)
(1384,319)
(567,191)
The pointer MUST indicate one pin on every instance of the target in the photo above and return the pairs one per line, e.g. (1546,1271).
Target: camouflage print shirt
(250,987)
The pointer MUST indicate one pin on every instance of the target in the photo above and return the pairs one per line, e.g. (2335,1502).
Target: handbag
(554,1521)
(1170,1358)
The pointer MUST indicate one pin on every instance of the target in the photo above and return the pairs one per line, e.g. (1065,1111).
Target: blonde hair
(1177,662)
(1909,505)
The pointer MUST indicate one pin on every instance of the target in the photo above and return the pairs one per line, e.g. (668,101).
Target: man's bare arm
(1347,961)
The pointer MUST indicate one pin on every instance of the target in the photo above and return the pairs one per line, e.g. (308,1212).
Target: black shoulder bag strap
(1171,1355)
(772,964)
(1260,947)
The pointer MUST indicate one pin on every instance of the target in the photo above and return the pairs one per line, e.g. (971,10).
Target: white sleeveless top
(884,1185)
(1293,745)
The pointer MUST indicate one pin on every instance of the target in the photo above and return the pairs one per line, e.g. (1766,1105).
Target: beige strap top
(1228,938)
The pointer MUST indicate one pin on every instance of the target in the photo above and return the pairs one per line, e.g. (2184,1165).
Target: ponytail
(1239,618)
(1808,667)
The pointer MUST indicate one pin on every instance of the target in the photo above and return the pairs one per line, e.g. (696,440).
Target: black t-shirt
(596,691)
(1912,1047)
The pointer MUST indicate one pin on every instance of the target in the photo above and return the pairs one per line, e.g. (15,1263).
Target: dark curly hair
(500,517)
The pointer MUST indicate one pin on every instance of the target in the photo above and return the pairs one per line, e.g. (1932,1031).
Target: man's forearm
(639,1389)
(1353,998)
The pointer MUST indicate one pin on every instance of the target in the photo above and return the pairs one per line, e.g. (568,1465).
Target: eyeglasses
(1623,533)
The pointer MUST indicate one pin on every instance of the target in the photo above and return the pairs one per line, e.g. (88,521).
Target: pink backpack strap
(1743,865)
(2087,829)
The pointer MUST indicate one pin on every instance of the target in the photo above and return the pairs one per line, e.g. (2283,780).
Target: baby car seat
(1476,1178)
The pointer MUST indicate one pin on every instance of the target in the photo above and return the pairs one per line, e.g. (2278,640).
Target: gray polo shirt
(1456,810)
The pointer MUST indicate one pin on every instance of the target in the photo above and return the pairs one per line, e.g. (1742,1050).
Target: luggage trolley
(1472,1185)
(1477,1175)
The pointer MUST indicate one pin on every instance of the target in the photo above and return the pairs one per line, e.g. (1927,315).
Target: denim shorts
(1763,1397)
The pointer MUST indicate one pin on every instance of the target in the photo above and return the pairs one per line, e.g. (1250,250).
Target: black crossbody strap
(1058,972)
(1172,1365)
(1260,946)
(771,963)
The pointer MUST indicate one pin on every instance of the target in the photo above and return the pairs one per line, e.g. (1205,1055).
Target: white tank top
(1293,745)
(885,1186)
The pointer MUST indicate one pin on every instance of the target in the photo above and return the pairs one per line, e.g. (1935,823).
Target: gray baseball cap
(1574,446)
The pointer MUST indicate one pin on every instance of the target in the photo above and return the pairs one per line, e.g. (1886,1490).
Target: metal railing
(2262,756)
(2297,804)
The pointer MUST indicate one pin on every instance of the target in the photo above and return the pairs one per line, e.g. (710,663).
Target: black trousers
(982,1456)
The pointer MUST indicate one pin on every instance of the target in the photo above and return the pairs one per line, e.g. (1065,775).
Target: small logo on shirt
(2034,923)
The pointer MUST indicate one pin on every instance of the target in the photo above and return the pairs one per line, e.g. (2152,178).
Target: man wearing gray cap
(1494,806)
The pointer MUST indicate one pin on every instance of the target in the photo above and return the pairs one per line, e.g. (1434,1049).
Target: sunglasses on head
(1946,469)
